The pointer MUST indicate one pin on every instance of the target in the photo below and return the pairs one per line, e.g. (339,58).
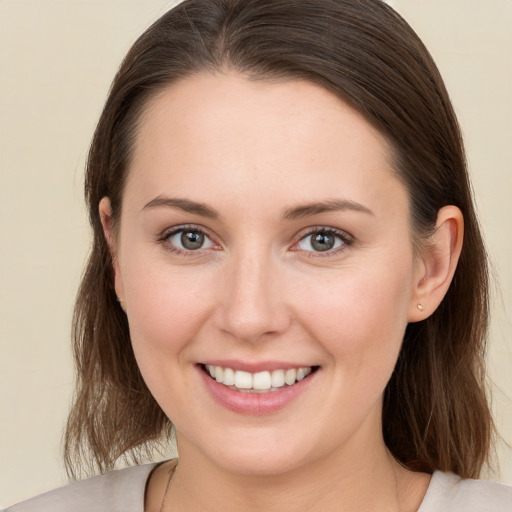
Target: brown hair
(436,414)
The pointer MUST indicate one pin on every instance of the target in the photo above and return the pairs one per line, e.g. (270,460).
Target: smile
(260,382)
(256,393)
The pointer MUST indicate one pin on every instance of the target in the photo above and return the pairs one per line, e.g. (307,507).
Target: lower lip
(254,404)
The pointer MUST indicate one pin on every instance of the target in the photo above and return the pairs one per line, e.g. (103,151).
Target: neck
(363,480)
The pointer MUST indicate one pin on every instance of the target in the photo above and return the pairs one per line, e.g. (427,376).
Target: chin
(250,452)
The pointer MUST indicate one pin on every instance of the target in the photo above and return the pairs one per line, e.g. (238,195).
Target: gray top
(123,491)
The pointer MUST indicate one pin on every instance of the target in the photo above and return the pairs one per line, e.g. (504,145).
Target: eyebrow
(297,212)
(306,210)
(183,204)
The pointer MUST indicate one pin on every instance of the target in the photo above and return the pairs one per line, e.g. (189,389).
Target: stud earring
(420,307)
(121,303)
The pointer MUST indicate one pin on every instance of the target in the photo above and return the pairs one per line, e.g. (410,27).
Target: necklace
(172,469)
(167,487)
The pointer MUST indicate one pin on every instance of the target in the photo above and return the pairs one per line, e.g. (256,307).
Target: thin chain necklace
(173,468)
(167,487)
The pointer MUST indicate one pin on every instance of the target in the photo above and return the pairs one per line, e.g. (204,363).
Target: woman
(287,266)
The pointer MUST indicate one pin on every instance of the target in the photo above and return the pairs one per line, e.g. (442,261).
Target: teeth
(243,380)
(303,372)
(261,381)
(277,378)
(229,377)
(290,377)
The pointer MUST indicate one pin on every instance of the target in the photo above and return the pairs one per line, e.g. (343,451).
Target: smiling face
(264,237)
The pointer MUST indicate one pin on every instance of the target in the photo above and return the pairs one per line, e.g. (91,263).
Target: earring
(121,303)
(420,307)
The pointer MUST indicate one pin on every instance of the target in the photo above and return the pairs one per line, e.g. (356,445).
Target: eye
(323,240)
(188,239)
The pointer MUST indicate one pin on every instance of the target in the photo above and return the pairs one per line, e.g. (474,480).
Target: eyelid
(164,237)
(346,238)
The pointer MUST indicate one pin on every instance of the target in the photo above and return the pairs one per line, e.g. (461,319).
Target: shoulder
(116,491)
(448,492)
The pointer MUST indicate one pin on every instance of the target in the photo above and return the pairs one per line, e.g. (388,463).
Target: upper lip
(254,366)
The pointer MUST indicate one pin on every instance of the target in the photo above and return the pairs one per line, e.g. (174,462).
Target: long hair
(435,414)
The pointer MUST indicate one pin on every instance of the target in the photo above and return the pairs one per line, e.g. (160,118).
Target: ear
(105,210)
(437,263)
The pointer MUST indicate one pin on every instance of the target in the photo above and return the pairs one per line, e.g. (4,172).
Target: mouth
(259,382)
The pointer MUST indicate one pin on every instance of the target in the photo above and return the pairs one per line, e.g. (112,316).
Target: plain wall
(57,59)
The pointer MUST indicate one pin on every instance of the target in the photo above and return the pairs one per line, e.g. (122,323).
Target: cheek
(360,315)
(166,305)
(166,309)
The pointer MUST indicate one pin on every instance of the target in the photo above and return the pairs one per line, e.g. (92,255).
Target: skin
(258,291)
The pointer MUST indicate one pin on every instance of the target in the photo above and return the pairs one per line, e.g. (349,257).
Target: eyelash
(165,239)
(344,237)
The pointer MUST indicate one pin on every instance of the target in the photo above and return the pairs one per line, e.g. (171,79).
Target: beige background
(57,59)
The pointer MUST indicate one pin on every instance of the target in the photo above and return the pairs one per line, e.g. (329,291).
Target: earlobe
(105,211)
(438,261)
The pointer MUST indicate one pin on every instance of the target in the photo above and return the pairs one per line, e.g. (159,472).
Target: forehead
(219,133)
(198,105)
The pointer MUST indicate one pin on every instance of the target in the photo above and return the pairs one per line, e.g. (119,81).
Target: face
(264,239)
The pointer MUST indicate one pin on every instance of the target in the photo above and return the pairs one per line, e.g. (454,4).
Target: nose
(253,306)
